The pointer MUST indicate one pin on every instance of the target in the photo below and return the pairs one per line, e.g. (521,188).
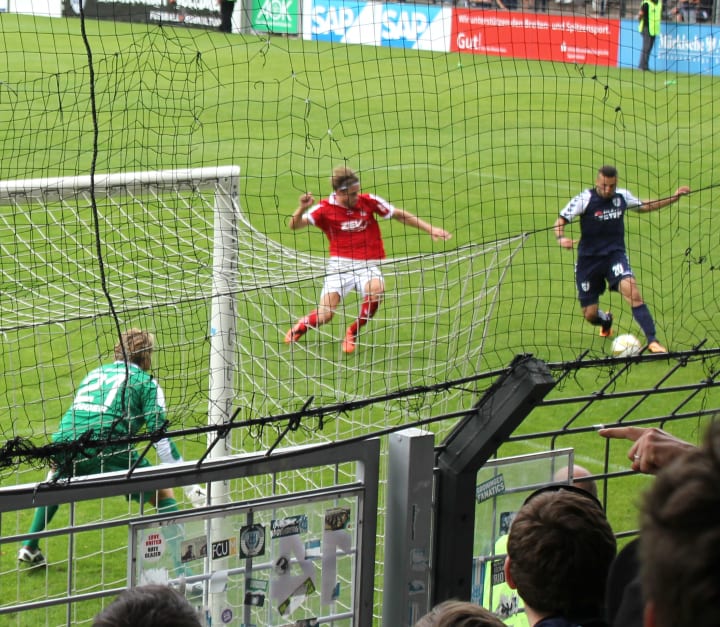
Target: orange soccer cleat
(606,326)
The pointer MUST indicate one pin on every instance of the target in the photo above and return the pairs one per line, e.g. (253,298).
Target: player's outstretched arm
(408,219)
(654,205)
(298,219)
(559,228)
(651,449)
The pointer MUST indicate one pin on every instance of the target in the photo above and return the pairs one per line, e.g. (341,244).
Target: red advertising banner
(536,36)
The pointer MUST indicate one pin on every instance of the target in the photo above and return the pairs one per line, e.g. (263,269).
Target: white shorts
(346,275)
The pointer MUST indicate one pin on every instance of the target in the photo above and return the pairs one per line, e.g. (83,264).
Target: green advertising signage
(276,16)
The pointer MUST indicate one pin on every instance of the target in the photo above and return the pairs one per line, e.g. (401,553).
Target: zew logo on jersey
(613,214)
(354,226)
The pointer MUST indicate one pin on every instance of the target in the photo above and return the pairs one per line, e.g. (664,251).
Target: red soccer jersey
(353,233)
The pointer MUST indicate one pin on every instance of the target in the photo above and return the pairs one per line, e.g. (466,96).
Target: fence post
(408,526)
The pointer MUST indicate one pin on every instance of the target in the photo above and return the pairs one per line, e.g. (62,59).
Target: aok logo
(332,20)
(276,12)
(403,24)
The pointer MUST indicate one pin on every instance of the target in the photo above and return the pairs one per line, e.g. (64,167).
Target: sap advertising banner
(421,27)
(682,48)
(536,36)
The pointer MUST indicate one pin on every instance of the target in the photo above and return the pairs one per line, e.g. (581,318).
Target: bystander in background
(148,606)
(560,549)
(649,18)
(226,10)
(459,614)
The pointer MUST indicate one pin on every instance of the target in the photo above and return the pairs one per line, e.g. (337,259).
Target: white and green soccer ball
(626,345)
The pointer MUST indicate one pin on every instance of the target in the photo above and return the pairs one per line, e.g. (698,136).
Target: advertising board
(420,27)
(682,48)
(198,13)
(536,36)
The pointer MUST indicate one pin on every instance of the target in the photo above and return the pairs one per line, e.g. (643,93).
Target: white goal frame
(222,323)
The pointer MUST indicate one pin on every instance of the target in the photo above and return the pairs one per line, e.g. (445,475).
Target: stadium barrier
(282,553)
(322,535)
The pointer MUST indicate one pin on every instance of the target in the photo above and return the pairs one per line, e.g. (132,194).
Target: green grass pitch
(489,147)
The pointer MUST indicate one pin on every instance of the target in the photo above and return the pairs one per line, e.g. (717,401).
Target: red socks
(367,311)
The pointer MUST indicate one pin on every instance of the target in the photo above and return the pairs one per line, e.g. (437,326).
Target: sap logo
(403,24)
(335,21)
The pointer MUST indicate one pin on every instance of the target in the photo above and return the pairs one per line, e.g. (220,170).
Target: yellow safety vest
(653,18)
(498,597)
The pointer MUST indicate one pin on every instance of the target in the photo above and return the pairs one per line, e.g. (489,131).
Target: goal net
(480,145)
(173,252)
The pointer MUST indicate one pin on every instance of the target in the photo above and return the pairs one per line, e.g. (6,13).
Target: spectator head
(680,540)
(148,606)
(459,614)
(136,347)
(559,550)
(579,478)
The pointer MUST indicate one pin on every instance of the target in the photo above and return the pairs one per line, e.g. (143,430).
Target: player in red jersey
(348,219)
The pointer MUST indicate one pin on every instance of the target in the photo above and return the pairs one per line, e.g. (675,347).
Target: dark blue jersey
(602,226)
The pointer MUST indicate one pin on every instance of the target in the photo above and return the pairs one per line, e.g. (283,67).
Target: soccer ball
(626,346)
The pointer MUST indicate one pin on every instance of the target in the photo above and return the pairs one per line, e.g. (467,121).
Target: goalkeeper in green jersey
(113,401)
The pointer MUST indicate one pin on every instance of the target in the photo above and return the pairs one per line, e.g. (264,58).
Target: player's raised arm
(654,205)
(407,218)
(298,219)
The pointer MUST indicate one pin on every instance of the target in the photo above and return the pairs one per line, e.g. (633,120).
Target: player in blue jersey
(116,400)
(602,257)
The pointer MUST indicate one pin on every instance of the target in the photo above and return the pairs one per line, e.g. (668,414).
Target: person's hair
(459,614)
(680,538)
(135,346)
(560,547)
(608,171)
(343,177)
(148,606)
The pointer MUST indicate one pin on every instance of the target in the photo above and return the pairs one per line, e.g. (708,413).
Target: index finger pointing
(622,433)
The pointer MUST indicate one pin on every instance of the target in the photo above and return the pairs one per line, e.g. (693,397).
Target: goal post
(93,253)
(223,322)
(106,184)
